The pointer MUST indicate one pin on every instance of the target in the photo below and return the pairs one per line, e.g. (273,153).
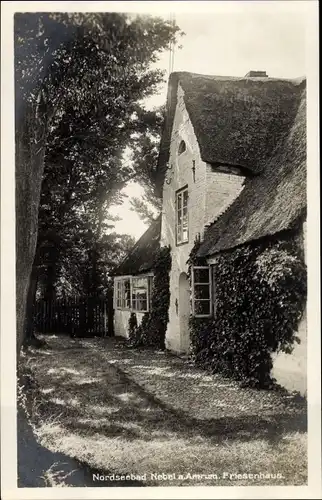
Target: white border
(8,357)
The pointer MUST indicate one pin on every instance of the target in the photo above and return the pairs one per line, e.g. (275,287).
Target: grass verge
(159,419)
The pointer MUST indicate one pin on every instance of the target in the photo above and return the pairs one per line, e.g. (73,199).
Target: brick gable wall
(210,193)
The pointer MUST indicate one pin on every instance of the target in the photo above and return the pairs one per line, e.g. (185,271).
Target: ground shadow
(162,417)
(40,467)
(145,414)
(109,402)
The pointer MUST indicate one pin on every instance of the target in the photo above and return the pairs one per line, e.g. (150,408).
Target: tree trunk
(29,328)
(30,151)
(110,312)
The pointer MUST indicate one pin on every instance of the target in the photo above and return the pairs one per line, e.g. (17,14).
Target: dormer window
(182,148)
(227,169)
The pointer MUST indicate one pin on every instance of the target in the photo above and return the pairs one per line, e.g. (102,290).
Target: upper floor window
(182,148)
(182,234)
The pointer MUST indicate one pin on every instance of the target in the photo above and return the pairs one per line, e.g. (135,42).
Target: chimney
(258,74)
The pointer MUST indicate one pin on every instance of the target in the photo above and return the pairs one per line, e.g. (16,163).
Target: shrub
(260,294)
(151,332)
(133,325)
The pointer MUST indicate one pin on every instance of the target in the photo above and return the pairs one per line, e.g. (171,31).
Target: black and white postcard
(160,312)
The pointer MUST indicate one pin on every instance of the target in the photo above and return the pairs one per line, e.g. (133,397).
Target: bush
(133,325)
(260,295)
(151,332)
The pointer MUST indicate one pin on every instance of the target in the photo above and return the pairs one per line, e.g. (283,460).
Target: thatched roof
(258,124)
(141,258)
(270,202)
(237,121)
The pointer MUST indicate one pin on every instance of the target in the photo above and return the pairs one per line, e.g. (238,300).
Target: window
(182,148)
(133,293)
(123,293)
(201,291)
(182,235)
(126,294)
(140,294)
(118,294)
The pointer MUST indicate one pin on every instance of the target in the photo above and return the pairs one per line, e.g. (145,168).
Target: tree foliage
(145,210)
(145,152)
(80,82)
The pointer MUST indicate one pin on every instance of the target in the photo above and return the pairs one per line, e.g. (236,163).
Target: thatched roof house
(231,170)
(255,123)
(237,121)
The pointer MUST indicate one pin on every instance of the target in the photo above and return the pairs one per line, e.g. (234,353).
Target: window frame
(139,300)
(180,193)
(210,286)
(119,297)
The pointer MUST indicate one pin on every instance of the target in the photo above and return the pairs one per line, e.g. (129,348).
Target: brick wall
(209,195)
(182,175)
(221,190)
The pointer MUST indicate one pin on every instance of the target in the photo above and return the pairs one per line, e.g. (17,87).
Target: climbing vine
(260,295)
(151,332)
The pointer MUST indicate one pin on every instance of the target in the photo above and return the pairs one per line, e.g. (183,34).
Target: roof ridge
(180,74)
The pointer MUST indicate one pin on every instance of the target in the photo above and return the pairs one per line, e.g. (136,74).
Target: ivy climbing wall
(290,370)
(260,300)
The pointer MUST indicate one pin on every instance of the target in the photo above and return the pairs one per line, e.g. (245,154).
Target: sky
(230,43)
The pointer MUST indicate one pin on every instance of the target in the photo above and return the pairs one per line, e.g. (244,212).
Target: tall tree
(145,152)
(70,68)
